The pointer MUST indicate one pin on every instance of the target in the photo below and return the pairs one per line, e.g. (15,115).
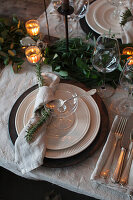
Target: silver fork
(118,135)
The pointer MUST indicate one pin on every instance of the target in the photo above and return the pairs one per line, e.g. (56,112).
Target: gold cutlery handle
(117,173)
(106,169)
(125,174)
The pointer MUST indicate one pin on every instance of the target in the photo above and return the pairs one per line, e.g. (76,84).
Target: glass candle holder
(33,54)
(32,27)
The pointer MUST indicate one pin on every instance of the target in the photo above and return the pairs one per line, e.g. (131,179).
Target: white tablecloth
(75,178)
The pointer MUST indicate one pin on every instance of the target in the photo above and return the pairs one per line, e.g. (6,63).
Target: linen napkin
(29,156)
(126,30)
(95,177)
(127,33)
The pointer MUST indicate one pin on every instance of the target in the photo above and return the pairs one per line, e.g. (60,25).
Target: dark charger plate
(85,27)
(89,151)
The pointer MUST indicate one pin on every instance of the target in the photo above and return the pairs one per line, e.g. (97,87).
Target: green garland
(77,63)
(11,32)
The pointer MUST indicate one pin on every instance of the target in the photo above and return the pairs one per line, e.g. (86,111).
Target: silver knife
(126,171)
(124,146)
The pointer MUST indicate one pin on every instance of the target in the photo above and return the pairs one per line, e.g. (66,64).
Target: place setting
(114,167)
(106,16)
(101,19)
(64,141)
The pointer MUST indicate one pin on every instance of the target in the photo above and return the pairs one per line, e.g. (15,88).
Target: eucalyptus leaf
(11,52)
(80,63)
(88,47)
(63,73)
(57,68)
(55,56)
(119,67)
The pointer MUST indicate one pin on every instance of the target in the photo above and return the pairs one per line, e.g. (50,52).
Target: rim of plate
(102,20)
(68,138)
(91,133)
(89,17)
(89,136)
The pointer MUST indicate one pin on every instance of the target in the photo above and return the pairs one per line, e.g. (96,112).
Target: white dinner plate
(90,134)
(57,138)
(91,20)
(103,16)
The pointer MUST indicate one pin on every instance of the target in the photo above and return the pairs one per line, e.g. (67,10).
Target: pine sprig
(44,115)
(126,16)
(39,76)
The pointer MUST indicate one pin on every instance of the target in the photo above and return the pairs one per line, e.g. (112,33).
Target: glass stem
(77,27)
(129,97)
(103,85)
(116,12)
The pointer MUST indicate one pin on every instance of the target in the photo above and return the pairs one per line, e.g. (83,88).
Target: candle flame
(33,54)
(131,60)
(32,27)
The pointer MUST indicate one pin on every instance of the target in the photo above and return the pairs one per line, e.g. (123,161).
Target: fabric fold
(30,155)
(95,177)
(126,30)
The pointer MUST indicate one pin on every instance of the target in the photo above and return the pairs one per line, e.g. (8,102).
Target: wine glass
(125,105)
(80,9)
(56,5)
(63,118)
(60,27)
(105,59)
(117,4)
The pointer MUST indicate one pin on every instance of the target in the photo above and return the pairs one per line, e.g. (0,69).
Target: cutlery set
(124,133)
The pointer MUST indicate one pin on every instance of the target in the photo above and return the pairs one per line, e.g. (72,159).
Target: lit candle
(128,51)
(32,27)
(33,54)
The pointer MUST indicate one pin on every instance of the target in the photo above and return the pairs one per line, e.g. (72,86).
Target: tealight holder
(33,54)
(128,51)
(32,27)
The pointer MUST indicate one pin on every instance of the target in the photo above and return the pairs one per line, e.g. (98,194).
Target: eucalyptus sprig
(33,128)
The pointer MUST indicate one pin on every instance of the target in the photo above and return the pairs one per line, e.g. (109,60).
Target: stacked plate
(100,18)
(67,142)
